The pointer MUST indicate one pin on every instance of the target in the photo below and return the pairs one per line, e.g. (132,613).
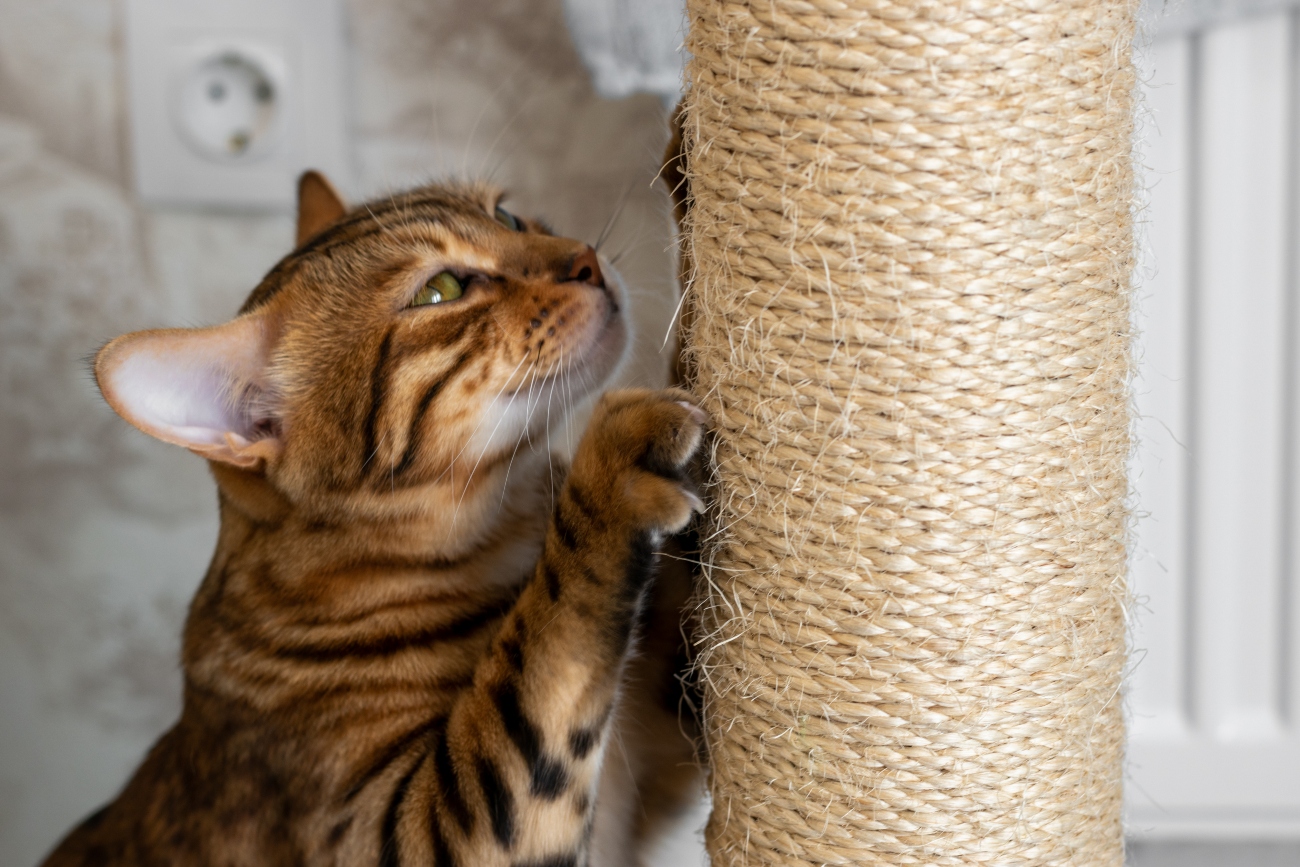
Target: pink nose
(586,268)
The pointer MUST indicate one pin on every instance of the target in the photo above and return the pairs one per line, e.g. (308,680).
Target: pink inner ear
(182,395)
(184,386)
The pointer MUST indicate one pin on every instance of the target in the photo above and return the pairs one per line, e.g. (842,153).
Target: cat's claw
(645,439)
(699,415)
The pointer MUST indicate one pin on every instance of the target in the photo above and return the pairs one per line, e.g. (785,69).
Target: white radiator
(1215,694)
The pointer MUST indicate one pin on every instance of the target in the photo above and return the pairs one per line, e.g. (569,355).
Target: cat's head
(405,341)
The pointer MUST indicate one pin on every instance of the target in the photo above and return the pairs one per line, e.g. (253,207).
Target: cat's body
(409,646)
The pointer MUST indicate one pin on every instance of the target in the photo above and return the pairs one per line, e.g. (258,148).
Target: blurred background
(147,152)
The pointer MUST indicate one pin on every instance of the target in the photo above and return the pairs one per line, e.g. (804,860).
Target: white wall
(1214,744)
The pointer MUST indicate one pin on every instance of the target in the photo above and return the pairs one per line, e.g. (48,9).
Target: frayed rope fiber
(911,234)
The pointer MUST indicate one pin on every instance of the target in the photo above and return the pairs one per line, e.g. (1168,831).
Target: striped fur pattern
(411,643)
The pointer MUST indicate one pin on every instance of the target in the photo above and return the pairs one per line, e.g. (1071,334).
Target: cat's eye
(444,286)
(509,220)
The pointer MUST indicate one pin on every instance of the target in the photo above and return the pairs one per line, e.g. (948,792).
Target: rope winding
(911,233)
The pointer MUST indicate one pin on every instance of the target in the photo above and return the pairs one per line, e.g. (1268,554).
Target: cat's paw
(634,457)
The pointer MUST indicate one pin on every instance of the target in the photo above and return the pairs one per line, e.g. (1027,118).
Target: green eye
(441,287)
(509,220)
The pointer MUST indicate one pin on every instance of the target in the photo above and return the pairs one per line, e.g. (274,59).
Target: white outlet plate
(232,99)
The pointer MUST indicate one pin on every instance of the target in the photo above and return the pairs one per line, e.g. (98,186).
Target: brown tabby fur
(411,641)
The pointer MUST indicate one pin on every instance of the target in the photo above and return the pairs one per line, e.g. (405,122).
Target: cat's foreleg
(511,780)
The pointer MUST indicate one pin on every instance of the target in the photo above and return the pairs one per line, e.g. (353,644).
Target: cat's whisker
(528,426)
(556,386)
(436,121)
(550,392)
(550,459)
(633,239)
(505,483)
(505,128)
(493,172)
(387,230)
(405,210)
(547,386)
(675,321)
(613,218)
(378,446)
(470,478)
(618,257)
(482,419)
(568,400)
(532,366)
(530,406)
(541,381)
(469,142)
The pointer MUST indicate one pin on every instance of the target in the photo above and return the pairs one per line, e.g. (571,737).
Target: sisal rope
(912,237)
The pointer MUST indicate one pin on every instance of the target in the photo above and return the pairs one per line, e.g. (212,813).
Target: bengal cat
(410,645)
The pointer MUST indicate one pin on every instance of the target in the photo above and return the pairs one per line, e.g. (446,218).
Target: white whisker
(613,218)
(483,452)
(528,422)
(483,418)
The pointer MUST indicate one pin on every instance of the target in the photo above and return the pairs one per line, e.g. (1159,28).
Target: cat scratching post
(911,232)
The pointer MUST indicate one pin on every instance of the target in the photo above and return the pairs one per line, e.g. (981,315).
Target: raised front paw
(631,464)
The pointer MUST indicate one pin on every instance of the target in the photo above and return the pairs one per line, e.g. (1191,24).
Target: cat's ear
(201,388)
(319,204)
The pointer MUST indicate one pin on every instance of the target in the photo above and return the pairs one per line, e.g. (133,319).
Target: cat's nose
(586,268)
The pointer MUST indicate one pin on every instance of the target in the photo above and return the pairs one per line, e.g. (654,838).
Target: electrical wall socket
(232,99)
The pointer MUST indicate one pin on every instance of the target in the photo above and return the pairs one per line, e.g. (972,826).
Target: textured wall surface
(104,534)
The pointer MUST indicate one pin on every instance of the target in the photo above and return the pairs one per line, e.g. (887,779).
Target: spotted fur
(411,643)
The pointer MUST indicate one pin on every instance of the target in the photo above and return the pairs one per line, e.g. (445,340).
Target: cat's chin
(606,351)
(528,411)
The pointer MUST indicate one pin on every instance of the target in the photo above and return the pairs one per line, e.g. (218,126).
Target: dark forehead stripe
(425,205)
(347,232)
